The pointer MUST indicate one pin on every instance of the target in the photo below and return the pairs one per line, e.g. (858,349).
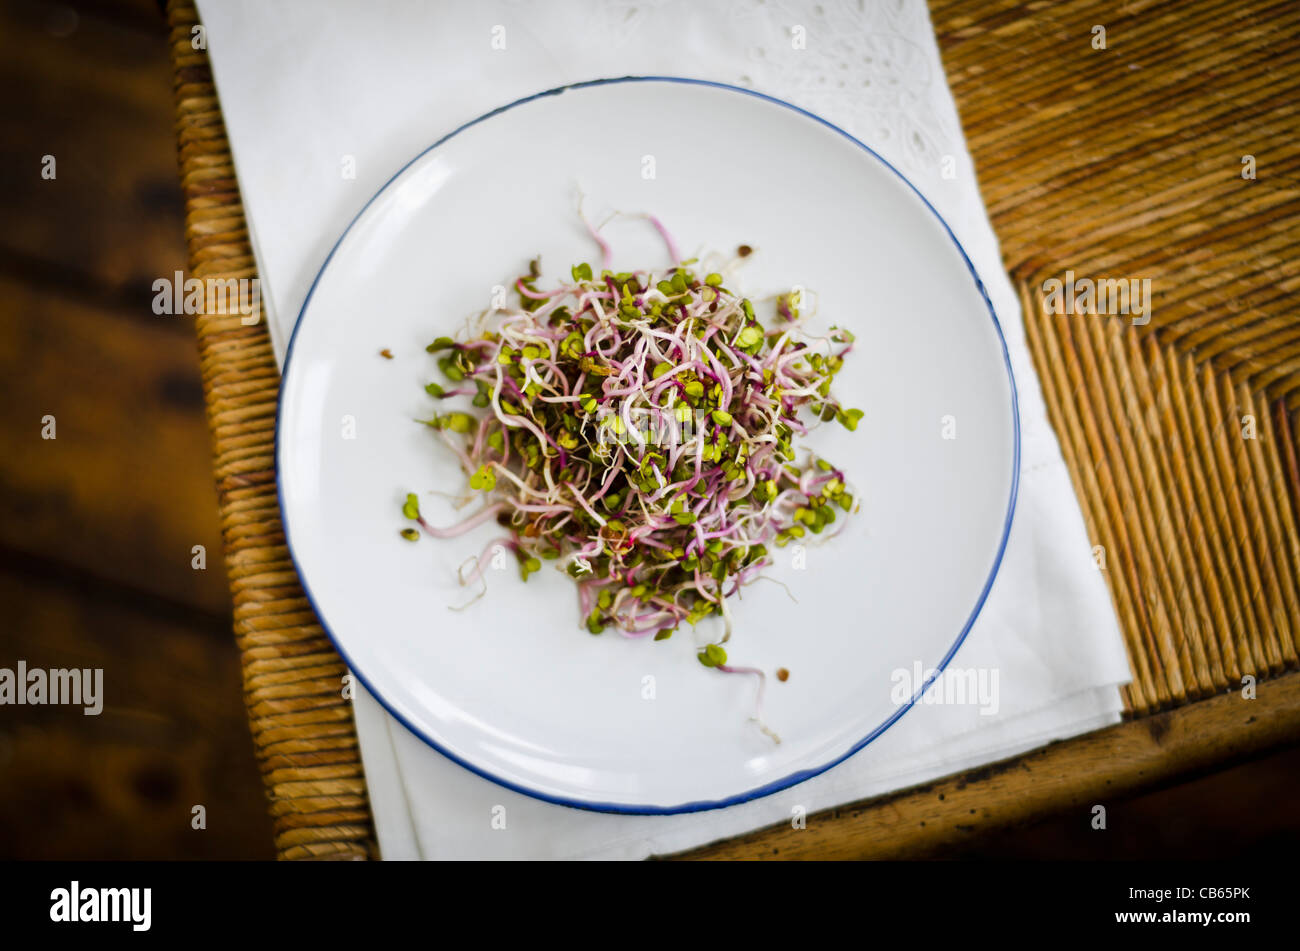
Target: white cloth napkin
(310,89)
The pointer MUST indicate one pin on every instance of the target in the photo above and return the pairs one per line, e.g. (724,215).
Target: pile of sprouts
(638,430)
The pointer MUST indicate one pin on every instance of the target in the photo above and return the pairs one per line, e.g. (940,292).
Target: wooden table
(1169,155)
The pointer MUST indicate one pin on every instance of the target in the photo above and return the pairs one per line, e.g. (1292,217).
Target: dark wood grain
(94,99)
(123,784)
(124,491)
(1226,814)
(97,526)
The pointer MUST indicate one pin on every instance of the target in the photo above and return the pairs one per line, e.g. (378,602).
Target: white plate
(514,687)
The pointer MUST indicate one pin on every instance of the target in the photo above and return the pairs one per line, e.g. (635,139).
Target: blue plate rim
(785,782)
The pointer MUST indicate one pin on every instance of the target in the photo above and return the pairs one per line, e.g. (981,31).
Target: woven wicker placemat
(1124,162)
(1127,163)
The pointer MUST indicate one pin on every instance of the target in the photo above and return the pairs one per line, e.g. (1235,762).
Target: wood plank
(147,15)
(1229,815)
(125,490)
(121,785)
(1101,767)
(99,100)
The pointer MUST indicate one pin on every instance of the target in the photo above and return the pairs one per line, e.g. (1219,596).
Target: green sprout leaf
(411,507)
(712,656)
(849,418)
(450,369)
(485,478)
(458,422)
(571,346)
